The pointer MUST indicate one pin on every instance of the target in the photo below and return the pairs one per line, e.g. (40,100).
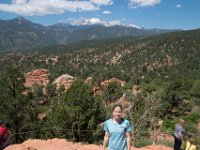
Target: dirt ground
(62,144)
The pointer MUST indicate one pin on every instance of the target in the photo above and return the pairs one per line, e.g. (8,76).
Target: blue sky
(165,14)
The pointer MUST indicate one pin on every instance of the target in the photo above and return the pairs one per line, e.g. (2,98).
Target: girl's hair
(181,121)
(117,105)
(192,141)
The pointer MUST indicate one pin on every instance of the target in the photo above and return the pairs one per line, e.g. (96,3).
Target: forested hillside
(164,70)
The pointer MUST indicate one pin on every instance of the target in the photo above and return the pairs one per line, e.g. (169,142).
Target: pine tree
(15,107)
(81,112)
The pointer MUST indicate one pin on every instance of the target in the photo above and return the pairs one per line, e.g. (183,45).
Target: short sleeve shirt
(117,134)
(179,131)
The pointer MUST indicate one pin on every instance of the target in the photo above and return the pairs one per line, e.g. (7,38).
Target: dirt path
(62,144)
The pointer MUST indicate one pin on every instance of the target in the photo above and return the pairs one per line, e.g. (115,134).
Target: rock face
(42,115)
(136,90)
(38,76)
(65,80)
(97,90)
(62,144)
(89,80)
(106,82)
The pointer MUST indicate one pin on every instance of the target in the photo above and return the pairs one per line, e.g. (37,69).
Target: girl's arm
(128,138)
(105,141)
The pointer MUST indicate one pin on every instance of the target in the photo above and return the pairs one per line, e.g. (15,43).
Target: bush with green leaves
(112,92)
(81,113)
(142,142)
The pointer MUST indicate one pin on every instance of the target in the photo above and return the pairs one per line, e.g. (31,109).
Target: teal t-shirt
(117,134)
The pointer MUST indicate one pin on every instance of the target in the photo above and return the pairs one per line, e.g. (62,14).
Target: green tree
(81,112)
(51,90)
(195,92)
(112,92)
(15,108)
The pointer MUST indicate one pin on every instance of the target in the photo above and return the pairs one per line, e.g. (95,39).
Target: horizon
(100,24)
(159,14)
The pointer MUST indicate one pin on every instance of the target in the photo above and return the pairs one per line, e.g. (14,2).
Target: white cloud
(19,1)
(106,12)
(45,7)
(113,23)
(132,25)
(81,21)
(102,2)
(178,6)
(143,3)
(92,21)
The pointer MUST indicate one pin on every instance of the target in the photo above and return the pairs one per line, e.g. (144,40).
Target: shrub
(142,142)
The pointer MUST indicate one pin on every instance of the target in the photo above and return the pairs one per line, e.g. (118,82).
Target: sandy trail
(62,144)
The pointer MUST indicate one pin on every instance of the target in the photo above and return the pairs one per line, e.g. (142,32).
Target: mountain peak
(20,19)
(98,22)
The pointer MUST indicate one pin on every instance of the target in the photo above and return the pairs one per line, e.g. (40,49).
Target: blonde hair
(181,121)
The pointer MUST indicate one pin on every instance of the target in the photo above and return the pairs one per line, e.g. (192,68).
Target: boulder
(136,90)
(42,115)
(106,82)
(65,80)
(97,90)
(89,80)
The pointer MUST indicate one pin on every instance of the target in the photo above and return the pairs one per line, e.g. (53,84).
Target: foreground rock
(62,144)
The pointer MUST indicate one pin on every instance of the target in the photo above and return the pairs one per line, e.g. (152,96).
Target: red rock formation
(65,80)
(42,115)
(89,80)
(135,90)
(106,82)
(38,76)
(62,144)
(97,90)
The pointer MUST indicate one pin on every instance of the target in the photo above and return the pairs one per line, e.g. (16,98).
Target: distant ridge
(20,33)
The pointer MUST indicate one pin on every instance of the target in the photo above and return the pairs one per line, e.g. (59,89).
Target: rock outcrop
(42,115)
(106,82)
(136,90)
(97,90)
(65,80)
(38,76)
(89,80)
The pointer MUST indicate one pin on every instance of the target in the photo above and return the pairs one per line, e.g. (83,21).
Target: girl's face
(117,113)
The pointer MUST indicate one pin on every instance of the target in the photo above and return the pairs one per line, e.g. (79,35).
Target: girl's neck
(117,120)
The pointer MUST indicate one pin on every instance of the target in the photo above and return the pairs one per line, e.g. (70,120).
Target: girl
(117,131)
